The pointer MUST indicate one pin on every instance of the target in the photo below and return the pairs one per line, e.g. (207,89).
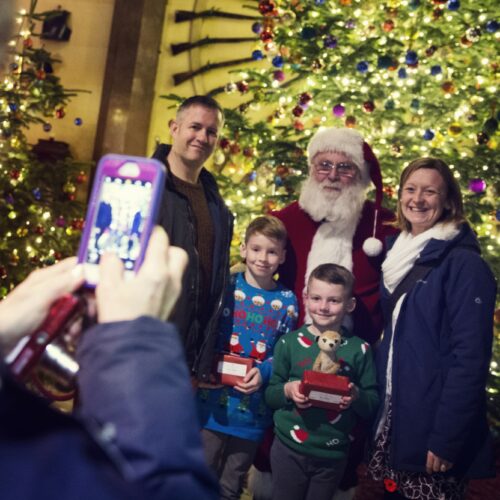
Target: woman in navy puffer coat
(431,433)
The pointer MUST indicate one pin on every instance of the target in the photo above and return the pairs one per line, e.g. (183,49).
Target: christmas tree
(415,77)
(40,218)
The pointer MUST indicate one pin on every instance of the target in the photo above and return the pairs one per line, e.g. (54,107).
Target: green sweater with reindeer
(319,432)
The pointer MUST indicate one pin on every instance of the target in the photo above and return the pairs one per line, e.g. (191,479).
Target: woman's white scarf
(398,263)
(407,249)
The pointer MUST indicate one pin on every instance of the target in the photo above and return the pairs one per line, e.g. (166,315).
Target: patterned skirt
(411,485)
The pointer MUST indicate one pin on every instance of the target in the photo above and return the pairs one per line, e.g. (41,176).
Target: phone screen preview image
(118,223)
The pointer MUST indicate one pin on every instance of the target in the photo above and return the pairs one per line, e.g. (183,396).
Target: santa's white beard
(343,207)
(340,212)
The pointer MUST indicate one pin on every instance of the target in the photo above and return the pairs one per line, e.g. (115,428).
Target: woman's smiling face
(423,199)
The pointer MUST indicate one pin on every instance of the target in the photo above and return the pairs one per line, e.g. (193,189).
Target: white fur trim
(340,140)
(372,247)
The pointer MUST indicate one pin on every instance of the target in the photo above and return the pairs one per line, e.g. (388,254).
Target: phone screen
(119,220)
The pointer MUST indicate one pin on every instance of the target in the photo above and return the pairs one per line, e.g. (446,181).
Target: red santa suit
(301,228)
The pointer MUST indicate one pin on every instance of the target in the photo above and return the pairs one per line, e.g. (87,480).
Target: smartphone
(121,214)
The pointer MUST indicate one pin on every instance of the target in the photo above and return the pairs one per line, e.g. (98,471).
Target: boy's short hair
(335,275)
(269,226)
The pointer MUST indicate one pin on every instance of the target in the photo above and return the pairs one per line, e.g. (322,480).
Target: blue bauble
(308,32)
(278,181)
(319,2)
(389,104)
(257,28)
(492,26)
(257,55)
(411,57)
(428,135)
(330,42)
(362,67)
(415,104)
(47,127)
(277,61)
(453,4)
(37,193)
(414,4)
(402,73)
(384,62)
(436,70)
(78,121)
(12,106)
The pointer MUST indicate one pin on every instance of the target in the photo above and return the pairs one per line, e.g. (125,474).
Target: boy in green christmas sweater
(310,452)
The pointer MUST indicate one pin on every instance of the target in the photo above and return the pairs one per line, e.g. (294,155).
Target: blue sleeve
(288,325)
(469,294)
(133,376)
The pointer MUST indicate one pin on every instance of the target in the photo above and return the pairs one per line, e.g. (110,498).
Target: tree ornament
(21,232)
(242,86)
(60,113)
(411,58)
(78,121)
(39,229)
(455,129)
(388,25)
(3,272)
(298,111)
(69,187)
(14,174)
(453,5)
(77,224)
(81,177)
(350,121)
(60,221)
(305,98)
(308,32)
(257,28)
(490,126)
(448,87)
(385,62)
(492,26)
(28,43)
(40,74)
(362,67)
(266,35)
(282,170)
(482,138)
(345,3)
(257,55)
(415,104)
(402,73)
(437,13)
(319,2)
(429,51)
(369,106)
(279,75)
(248,152)
(277,62)
(465,41)
(37,193)
(14,259)
(428,135)
(389,104)
(338,110)
(47,127)
(330,42)
(436,70)
(350,24)
(267,7)
(477,185)
(234,149)
(414,4)
(298,125)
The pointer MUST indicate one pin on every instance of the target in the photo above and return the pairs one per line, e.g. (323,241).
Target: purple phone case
(109,165)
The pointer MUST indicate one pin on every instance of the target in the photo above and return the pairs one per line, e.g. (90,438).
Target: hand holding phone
(122,210)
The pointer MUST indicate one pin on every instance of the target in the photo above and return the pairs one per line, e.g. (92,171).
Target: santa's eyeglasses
(343,169)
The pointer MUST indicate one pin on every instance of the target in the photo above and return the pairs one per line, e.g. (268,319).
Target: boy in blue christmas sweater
(309,453)
(257,311)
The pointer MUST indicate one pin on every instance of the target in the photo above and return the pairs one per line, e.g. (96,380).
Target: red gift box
(230,369)
(324,389)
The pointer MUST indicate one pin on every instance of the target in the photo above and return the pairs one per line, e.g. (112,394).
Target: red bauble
(350,121)
(388,25)
(81,178)
(248,152)
(242,86)
(234,149)
(14,174)
(298,111)
(266,36)
(448,87)
(39,229)
(40,74)
(28,43)
(224,143)
(267,7)
(60,113)
(298,125)
(369,106)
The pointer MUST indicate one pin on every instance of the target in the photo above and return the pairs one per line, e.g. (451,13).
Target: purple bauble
(257,28)
(279,75)
(338,110)
(477,185)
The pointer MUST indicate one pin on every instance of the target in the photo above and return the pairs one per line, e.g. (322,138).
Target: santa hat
(351,143)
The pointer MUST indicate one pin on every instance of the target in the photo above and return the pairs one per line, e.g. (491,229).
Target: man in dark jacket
(196,219)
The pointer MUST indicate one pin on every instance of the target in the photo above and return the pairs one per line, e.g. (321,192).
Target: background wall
(83,61)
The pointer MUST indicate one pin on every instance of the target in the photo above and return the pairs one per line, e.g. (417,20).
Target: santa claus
(334,222)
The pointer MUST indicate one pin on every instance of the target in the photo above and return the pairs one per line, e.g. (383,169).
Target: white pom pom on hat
(351,143)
